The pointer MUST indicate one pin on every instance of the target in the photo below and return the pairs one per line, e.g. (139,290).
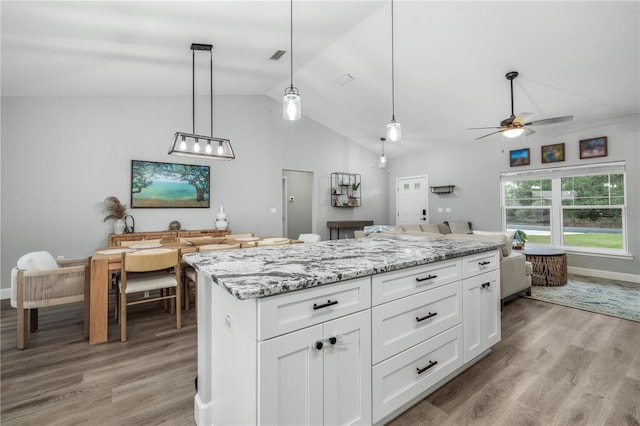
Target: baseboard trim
(5,293)
(596,273)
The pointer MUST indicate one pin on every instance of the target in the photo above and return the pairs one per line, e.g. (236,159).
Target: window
(578,208)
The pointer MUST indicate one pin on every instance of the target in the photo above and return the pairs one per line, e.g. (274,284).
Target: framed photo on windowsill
(593,148)
(519,157)
(552,153)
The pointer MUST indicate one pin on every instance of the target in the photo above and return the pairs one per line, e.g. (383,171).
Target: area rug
(609,297)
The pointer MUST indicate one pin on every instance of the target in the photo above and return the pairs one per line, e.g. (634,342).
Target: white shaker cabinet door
(481,313)
(290,390)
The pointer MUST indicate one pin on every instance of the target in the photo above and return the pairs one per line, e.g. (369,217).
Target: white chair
(309,238)
(39,281)
(146,271)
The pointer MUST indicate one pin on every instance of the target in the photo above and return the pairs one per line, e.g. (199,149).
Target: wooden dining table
(96,311)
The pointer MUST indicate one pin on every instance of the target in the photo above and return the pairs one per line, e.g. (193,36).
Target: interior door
(297,203)
(412,200)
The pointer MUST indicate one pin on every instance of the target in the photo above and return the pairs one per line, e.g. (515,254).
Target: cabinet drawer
(480,263)
(292,311)
(405,322)
(394,285)
(398,380)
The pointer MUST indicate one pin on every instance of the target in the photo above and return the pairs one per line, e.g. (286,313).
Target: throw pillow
(460,227)
(37,260)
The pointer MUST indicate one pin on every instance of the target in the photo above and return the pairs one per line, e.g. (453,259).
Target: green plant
(521,236)
(355,186)
(114,208)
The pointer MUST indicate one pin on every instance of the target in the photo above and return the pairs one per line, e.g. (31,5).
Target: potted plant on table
(116,210)
(519,238)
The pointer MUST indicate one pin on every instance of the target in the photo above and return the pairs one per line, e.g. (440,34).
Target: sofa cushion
(460,227)
(430,227)
(411,227)
(507,237)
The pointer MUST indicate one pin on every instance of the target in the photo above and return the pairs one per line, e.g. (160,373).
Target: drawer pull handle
(428,277)
(486,262)
(319,345)
(426,317)
(325,305)
(333,340)
(485,285)
(422,370)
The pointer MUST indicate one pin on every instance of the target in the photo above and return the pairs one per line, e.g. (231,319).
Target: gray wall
(61,157)
(475,166)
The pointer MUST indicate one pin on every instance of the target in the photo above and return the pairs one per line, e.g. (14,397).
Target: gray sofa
(515,271)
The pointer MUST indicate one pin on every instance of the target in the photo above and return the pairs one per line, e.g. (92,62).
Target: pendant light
(394,133)
(291,107)
(191,144)
(383,160)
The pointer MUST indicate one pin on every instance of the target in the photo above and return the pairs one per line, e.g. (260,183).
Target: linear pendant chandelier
(200,146)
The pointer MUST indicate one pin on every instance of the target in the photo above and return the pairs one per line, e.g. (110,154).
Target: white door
(347,370)
(290,379)
(413,200)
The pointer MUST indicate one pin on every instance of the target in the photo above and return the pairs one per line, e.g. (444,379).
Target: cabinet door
(290,376)
(347,370)
(481,313)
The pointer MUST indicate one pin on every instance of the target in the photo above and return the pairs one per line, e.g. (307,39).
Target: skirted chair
(145,271)
(39,281)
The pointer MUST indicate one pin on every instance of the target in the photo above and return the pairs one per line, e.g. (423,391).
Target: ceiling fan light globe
(394,132)
(513,133)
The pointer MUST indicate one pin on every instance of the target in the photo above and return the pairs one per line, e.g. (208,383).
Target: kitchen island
(339,332)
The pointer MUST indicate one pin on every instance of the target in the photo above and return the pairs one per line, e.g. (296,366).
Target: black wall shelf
(444,189)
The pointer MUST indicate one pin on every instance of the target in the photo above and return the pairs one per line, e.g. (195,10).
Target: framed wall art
(592,148)
(519,157)
(169,185)
(552,153)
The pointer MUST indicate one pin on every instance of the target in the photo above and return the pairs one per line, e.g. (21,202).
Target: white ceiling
(574,58)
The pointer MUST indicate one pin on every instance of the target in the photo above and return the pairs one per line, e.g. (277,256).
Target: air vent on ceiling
(277,55)
(345,79)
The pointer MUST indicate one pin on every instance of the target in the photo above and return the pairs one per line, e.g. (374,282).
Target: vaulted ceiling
(574,58)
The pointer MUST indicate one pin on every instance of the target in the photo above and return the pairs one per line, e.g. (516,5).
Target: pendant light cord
(211,87)
(193,91)
(291,41)
(393,81)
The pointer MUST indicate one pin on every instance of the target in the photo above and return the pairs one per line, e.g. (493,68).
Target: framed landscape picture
(519,157)
(592,148)
(552,153)
(169,185)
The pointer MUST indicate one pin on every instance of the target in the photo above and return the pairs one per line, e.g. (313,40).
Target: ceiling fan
(514,126)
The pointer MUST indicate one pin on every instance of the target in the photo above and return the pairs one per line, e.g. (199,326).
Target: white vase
(118,226)
(222,222)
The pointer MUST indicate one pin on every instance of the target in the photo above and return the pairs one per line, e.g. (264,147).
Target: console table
(346,224)
(165,237)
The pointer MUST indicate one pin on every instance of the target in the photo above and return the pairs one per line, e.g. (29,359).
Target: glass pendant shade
(513,133)
(383,162)
(394,132)
(291,106)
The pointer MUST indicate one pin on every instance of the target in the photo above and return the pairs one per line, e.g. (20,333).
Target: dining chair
(309,238)
(234,236)
(191,275)
(148,271)
(39,281)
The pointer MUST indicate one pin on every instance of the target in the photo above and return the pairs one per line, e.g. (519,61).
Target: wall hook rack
(443,189)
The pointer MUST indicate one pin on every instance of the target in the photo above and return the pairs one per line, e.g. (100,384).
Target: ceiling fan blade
(492,133)
(483,128)
(528,131)
(521,118)
(550,120)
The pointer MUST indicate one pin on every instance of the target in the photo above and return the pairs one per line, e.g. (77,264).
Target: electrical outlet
(440,210)
(448,209)
(274,210)
(228,321)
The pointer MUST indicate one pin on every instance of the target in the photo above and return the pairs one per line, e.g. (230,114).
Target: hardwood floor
(554,366)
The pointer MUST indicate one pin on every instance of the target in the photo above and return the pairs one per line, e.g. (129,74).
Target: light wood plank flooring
(554,366)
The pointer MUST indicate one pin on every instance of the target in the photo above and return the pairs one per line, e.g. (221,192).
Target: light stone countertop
(266,271)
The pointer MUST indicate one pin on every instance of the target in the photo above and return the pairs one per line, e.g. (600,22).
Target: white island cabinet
(355,340)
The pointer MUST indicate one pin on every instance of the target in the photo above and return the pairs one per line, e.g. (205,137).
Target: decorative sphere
(174,225)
